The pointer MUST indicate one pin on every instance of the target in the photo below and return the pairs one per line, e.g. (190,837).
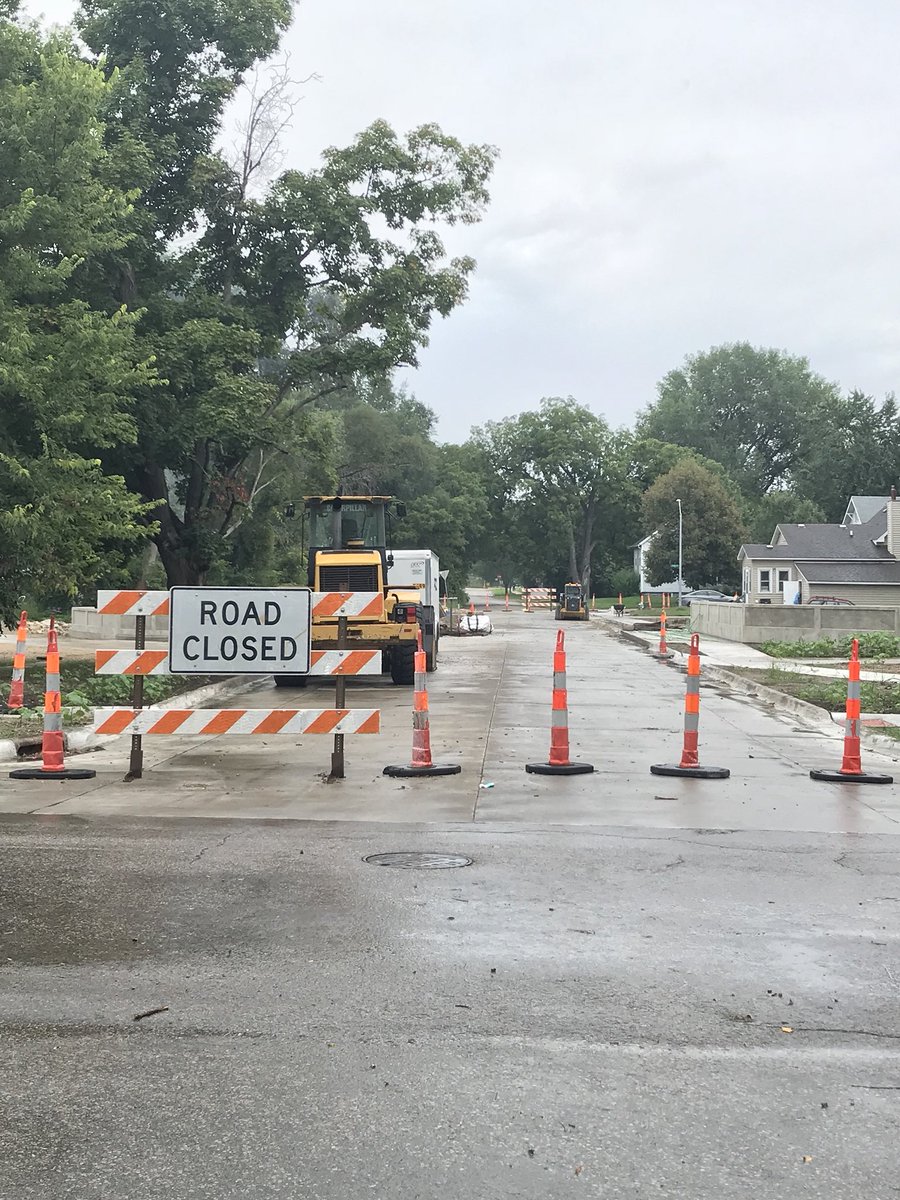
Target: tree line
(193,339)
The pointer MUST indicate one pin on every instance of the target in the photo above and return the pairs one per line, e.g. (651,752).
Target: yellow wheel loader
(347,552)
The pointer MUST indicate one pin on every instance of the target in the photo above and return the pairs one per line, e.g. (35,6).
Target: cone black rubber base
(668,654)
(850,777)
(40,773)
(691,772)
(572,768)
(413,772)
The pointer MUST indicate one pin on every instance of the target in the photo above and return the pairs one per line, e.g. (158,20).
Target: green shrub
(874,644)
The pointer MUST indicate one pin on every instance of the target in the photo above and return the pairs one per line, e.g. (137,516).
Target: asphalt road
(630,992)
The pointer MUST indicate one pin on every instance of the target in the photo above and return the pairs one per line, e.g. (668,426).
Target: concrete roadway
(640,987)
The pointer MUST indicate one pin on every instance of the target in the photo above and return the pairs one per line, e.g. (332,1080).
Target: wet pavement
(640,987)
(580,1012)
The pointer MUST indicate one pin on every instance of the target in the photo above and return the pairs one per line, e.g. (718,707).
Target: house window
(784,578)
(765,580)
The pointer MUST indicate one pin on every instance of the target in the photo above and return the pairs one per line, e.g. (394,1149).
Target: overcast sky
(673,174)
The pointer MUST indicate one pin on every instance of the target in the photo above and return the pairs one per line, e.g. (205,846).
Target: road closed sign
(239,631)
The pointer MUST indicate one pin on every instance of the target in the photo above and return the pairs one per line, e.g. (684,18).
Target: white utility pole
(680,555)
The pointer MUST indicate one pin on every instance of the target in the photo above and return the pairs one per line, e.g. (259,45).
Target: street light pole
(680,555)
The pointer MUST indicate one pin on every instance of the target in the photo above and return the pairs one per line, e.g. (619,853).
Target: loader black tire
(403,664)
(431,655)
(291,681)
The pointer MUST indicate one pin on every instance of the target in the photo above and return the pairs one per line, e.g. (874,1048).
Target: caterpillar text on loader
(572,605)
(348,553)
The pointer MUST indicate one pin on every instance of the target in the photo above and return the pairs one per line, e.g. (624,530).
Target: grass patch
(874,644)
(830,694)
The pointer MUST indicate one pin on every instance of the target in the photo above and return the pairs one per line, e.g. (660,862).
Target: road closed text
(215,630)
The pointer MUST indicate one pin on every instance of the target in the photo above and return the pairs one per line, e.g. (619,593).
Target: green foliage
(556,481)
(855,451)
(69,371)
(754,411)
(712,527)
(781,508)
(626,581)
(872,644)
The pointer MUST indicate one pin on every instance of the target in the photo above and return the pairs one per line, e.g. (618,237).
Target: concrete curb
(82,741)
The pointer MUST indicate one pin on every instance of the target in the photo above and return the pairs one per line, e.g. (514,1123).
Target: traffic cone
(17,686)
(663,651)
(690,762)
(487,603)
(506,605)
(649,599)
(851,766)
(52,743)
(620,599)
(559,762)
(422,763)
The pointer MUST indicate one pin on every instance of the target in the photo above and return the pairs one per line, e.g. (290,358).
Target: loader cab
(347,543)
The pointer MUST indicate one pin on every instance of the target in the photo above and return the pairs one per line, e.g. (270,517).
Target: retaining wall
(755,623)
(88,624)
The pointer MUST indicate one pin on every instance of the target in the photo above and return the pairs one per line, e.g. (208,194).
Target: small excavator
(571,605)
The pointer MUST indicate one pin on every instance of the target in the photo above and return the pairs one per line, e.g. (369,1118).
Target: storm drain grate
(418,860)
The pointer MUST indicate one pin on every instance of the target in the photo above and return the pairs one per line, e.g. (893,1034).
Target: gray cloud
(673,175)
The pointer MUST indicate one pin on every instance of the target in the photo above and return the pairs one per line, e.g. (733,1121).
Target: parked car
(707,594)
(830,600)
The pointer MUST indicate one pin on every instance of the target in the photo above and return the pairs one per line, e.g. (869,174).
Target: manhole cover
(418,860)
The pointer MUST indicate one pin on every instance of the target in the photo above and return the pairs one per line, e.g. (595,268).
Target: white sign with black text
(239,631)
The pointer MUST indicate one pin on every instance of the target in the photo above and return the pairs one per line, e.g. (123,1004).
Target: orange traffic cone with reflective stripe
(422,763)
(663,651)
(17,686)
(559,762)
(690,761)
(851,765)
(52,742)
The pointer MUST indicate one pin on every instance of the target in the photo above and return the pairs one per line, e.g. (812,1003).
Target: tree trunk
(173,539)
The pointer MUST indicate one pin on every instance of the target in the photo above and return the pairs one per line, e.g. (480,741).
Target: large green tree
(712,528)
(68,371)
(559,474)
(755,411)
(855,451)
(259,301)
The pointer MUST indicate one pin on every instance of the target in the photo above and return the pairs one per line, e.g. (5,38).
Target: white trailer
(419,571)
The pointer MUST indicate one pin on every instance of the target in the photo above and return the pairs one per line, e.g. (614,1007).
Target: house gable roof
(861,509)
(833,543)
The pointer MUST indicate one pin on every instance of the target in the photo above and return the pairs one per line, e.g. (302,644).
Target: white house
(641,550)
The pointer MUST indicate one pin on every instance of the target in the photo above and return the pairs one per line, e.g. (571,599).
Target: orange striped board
(212,722)
(133,604)
(346,662)
(131,662)
(156,662)
(156,604)
(348,604)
